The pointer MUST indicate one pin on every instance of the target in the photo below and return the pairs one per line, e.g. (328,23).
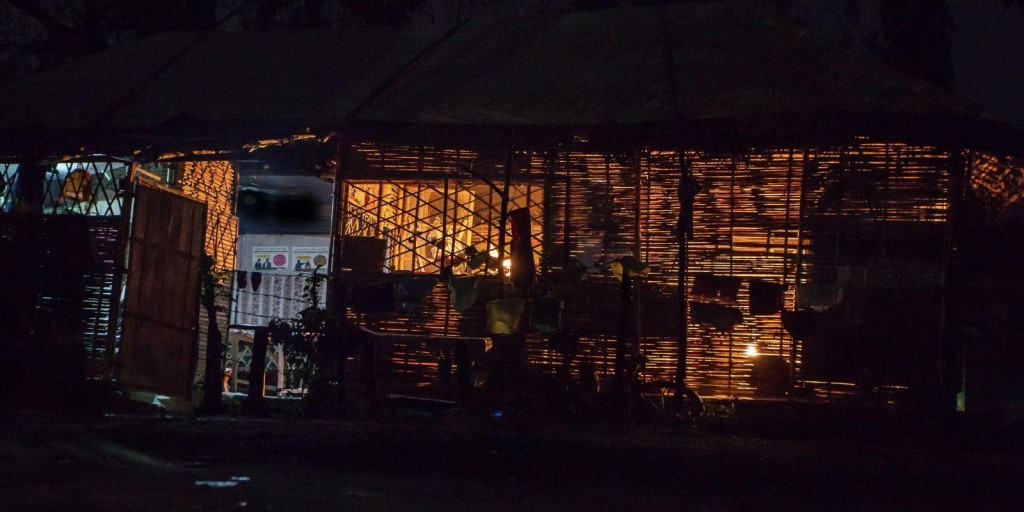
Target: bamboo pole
(801,209)
(785,239)
(959,169)
(338,220)
(120,267)
(503,216)
(685,173)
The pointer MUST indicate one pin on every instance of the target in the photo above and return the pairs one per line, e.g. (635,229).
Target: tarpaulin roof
(712,68)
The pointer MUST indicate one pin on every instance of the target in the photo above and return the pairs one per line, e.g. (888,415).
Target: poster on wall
(267,259)
(308,258)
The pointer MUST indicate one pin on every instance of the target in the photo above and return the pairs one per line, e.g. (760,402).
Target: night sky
(988,55)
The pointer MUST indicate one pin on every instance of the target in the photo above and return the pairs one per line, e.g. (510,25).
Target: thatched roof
(733,70)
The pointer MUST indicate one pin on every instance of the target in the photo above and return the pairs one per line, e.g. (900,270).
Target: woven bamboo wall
(768,215)
(213,183)
(997,180)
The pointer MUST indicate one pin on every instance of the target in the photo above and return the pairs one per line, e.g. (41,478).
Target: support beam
(950,344)
(684,232)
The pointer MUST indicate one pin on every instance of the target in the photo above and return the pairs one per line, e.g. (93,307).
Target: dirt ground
(233,463)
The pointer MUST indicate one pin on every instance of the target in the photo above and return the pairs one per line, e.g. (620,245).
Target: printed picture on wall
(268,259)
(308,258)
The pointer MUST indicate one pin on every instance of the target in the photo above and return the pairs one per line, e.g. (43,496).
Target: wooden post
(620,385)
(334,299)
(547,234)
(20,290)
(732,254)
(337,290)
(949,349)
(785,242)
(685,173)
(120,266)
(798,272)
(503,218)
(621,342)
(258,369)
(637,306)
(567,225)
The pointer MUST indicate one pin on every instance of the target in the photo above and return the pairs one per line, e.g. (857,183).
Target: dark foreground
(185,464)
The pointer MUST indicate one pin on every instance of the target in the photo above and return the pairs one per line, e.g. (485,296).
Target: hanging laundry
(765,297)
(463,290)
(704,286)
(723,318)
(412,292)
(635,267)
(709,286)
(503,315)
(817,296)
(800,324)
(372,298)
(728,287)
(242,278)
(522,268)
(546,314)
(257,278)
(564,283)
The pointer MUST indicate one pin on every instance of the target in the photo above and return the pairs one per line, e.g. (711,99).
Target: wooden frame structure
(814,175)
(867,219)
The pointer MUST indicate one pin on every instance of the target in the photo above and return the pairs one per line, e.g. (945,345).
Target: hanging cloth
(503,315)
(257,278)
(800,324)
(709,287)
(635,267)
(522,269)
(723,318)
(463,290)
(728,287)
(412,292)
(765,297)
(242,277)
(546,314)
(704,286)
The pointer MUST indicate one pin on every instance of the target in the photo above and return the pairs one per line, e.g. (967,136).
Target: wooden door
(160,341)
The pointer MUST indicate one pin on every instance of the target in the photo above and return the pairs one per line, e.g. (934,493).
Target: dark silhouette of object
(522,269)
(723,318)
(765,297)
(688,190)
(800,324)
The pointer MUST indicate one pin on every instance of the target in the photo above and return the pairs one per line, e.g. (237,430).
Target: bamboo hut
(754,169)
